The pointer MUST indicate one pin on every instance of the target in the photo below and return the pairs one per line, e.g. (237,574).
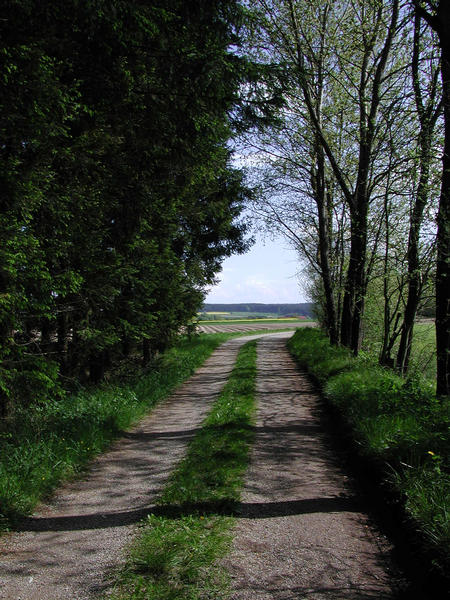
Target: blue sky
(266,273)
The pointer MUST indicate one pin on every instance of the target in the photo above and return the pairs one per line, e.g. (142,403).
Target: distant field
(250,321)
(253,325)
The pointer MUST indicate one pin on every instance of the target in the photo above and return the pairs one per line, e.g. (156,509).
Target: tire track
(302,533)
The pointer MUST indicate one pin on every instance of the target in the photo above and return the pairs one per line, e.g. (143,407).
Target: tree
(339,70)
(119,201)
(428,110)
(437,15)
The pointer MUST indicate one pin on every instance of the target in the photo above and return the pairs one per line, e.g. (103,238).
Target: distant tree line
(118,202)
(303,308)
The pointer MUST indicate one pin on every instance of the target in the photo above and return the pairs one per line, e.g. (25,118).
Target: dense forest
(118,200)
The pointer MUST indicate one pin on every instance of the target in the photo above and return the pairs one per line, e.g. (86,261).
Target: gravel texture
(302,533)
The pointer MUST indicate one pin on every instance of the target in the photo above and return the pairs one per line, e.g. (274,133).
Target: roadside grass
(175,556)
(42,445)
(399,428)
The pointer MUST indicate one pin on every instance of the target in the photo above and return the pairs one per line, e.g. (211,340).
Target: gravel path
(68,547)
(302,534)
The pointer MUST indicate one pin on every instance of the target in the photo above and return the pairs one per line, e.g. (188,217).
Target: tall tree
(437,14)
(428,107)
(119,200)
(339,68)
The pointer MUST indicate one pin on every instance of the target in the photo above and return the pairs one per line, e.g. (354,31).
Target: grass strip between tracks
(175,556)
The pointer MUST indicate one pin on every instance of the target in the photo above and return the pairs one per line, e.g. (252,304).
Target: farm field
(248,327)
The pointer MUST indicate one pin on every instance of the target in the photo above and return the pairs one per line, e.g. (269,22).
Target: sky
(267,273)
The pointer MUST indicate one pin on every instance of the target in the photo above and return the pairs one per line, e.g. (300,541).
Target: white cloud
(267,273)
(255,290)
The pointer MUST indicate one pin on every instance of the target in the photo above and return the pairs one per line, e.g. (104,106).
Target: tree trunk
(45,332)
(146,352)
(355,284)
(320,195)
(427,113)
(443,219)
(97,367)
(414,293)
(62,341)
(324,250)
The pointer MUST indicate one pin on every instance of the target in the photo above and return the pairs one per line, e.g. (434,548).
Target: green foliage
(175,556)
(313,350)
(397,423)
(119,202)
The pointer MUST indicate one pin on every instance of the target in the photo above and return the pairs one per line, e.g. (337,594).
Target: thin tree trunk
(324,250)
(146,353)
(440,22)
(443,234)
(385,355)
(428,114)
(414,290)
(45,332)
(62,340)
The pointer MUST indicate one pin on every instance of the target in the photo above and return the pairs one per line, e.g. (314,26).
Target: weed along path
(67,549)
(300,533)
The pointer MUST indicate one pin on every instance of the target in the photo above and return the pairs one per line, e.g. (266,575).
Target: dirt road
(302,534)
(69,547)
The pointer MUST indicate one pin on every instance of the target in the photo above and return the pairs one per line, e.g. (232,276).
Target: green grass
(423,353)
(397,425)
(175,556)
(42,445)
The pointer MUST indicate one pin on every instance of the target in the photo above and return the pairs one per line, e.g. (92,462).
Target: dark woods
(118,202)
